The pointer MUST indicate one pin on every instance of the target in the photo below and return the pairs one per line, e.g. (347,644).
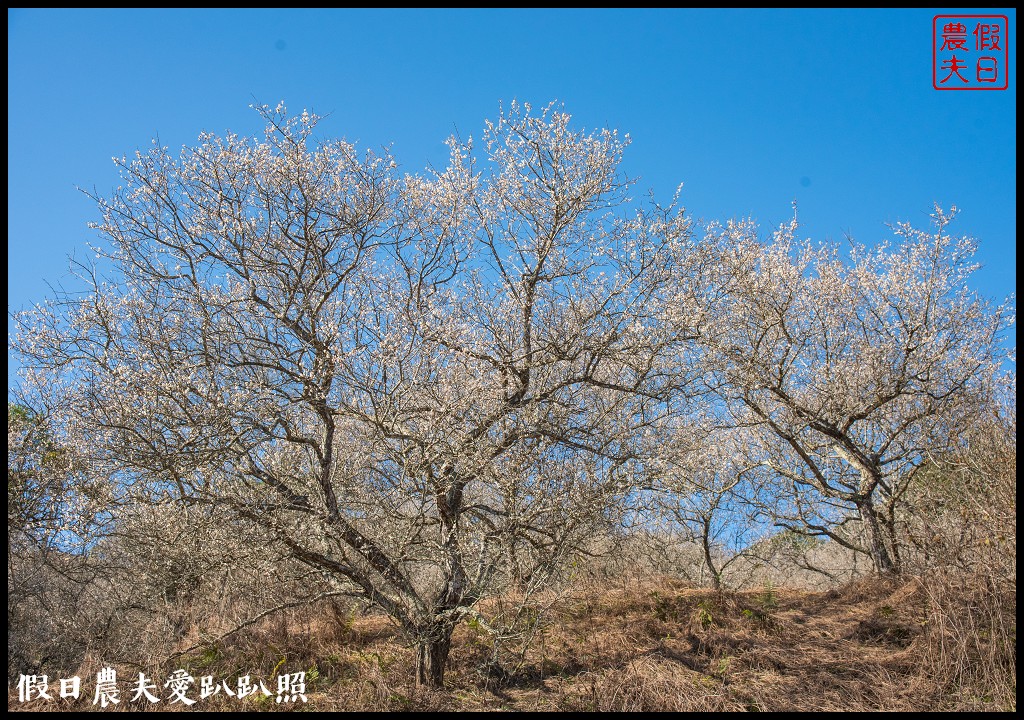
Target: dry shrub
(971,631)
(963,544)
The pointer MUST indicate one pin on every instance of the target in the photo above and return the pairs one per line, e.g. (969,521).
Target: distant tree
(709,486)
(50,496)
(52,519)
(399,377)
(852,369)
(29,488)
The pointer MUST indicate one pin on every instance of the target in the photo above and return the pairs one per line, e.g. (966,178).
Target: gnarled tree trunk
(432,655)
(880,556)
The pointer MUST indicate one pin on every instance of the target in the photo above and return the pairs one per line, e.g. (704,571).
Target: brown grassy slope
(640,646)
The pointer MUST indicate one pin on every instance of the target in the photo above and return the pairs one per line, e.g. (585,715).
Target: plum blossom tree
(851,368)
(709,487)
(406,380)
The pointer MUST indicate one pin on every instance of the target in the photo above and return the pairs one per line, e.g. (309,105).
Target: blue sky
(751,110)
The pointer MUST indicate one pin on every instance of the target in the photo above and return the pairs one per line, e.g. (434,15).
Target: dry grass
(657,645)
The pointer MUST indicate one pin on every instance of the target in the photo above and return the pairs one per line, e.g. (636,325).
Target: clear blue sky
(750,109)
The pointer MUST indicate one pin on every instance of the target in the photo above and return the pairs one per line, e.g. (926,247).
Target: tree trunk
(432,656)
(716,576)
(876,539)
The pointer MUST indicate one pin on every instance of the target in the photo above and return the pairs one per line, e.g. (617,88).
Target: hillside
(871,645)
